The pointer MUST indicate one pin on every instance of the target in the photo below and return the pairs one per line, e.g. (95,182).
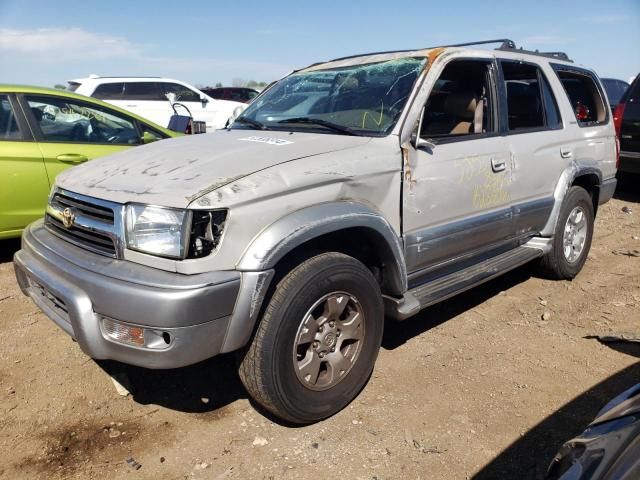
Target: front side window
(62,120)
(365,99)
(8,125)
(584,96)
(183,94)
(109,91)
(461,102)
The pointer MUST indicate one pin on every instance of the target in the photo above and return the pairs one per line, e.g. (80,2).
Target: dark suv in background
(627,121)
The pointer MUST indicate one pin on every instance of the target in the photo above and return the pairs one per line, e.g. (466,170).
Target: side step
(447,286)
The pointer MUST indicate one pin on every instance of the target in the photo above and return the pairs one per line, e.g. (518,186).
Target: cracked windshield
(356,100)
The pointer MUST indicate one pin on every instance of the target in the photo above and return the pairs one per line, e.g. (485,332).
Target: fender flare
(565,181)
(300,226)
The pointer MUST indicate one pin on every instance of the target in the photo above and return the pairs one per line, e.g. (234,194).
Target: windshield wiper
(253,123)
(323,123)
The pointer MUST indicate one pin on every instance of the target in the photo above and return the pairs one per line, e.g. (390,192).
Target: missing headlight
(206,230)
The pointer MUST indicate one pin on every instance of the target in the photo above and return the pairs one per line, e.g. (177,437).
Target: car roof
(433,53)
(8,88)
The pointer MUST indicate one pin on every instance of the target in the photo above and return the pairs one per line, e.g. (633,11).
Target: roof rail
(506,45)
(555,55)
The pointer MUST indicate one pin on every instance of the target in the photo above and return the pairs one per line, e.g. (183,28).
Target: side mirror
(171,97)
(204,100)
(148,137)
(416,140)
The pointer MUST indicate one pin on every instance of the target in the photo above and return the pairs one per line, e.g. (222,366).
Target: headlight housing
(157,230)
(173,233)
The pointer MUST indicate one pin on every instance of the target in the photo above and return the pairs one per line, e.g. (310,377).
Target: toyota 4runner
(350,190)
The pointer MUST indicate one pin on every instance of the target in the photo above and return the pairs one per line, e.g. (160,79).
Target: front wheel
(572,238)
(317,341)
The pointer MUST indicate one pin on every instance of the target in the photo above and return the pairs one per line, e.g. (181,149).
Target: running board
(447,286)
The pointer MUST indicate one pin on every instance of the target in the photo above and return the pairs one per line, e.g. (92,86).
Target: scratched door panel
(455,200)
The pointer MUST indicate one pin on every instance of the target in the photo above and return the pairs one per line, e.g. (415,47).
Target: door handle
(566,152)
(71,158)
(498,165)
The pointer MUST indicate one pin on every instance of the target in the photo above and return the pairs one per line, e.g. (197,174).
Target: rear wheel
(317,341)
(572,238)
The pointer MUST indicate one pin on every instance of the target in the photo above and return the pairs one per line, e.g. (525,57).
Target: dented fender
(300,226)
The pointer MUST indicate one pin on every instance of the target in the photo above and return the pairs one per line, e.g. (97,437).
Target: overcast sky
(49,42)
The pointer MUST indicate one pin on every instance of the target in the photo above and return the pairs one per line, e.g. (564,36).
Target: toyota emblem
(68,217)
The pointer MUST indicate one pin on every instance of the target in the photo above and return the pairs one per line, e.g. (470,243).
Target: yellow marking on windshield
(377,122)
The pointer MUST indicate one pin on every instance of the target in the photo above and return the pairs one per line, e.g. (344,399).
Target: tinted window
(615,89)
(460,102)
(584,96)
(149,91)
(552,113)
(109,91)
(525,107)
(76,122)
(183,94)
(8,125)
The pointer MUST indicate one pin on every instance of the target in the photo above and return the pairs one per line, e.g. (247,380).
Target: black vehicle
(626,118)
(236,94)
(615,90)
(610,446)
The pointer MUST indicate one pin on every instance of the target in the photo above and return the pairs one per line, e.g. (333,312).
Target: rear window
(584,95)
(530,100)
(72,86)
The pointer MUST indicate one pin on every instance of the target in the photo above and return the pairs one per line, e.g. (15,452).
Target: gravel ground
(480,386)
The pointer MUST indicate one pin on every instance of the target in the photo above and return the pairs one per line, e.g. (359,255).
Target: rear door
(70,132)
(23,179)
(536,138)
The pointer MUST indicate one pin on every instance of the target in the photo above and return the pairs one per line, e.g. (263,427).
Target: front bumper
(76,289)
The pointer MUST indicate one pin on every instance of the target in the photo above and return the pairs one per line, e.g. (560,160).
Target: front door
(70,132)
(23,179)
(456,200)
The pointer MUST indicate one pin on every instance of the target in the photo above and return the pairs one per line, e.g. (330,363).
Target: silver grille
(96,224)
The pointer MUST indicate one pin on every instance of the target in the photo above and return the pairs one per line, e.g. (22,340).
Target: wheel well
(361,243)
(591,183)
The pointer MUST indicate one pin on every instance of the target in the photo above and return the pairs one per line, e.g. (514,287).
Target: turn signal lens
(121,333)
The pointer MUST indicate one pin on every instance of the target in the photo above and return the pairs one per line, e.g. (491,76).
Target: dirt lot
(477,387)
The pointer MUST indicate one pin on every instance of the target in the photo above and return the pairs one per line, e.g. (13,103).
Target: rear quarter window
(584,94)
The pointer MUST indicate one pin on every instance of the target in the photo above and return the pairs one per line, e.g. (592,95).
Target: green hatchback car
(42,132)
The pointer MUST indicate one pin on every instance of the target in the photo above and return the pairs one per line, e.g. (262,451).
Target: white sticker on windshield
(269,140)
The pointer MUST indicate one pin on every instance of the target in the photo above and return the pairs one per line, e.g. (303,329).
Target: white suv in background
(147,97)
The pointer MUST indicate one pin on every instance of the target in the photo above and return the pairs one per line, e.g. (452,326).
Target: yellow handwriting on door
(491,193)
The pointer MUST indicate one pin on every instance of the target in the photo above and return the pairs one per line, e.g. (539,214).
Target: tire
(284,380)
(557,264)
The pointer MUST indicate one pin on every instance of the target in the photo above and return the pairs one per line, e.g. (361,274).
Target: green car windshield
(364,99)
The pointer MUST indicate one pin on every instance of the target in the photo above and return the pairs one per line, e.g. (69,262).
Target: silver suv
(350,190)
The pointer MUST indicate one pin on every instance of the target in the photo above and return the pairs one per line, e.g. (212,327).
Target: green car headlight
(158,231)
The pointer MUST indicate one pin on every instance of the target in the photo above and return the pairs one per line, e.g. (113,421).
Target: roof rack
(510,46)
(506,45)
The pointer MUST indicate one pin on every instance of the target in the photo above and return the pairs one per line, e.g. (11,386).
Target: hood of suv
(175,172)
